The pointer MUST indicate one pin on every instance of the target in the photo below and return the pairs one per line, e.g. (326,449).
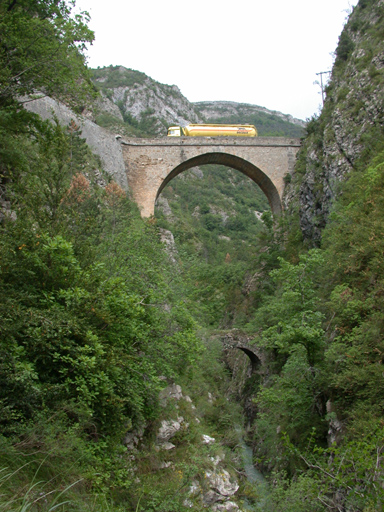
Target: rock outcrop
(139,98)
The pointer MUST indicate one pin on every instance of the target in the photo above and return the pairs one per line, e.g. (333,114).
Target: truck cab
(174,131)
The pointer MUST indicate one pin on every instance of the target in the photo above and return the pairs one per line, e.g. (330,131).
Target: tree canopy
(42,50)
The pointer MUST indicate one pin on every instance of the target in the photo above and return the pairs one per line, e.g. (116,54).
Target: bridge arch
(233,162)
(255,360)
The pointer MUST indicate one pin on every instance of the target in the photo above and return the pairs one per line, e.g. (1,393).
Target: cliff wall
(349,131)
(102,142)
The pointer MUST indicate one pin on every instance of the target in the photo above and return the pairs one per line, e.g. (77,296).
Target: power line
(321,82)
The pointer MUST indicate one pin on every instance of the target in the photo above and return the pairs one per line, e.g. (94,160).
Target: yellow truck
(213,130)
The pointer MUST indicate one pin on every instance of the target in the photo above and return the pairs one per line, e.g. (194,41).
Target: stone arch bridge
(152,163)
(234,341)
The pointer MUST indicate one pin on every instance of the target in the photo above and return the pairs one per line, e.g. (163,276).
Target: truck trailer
(213,130)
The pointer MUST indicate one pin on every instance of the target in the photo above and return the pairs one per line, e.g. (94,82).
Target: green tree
(291,317)
(354,248)
(292,335)
(41,50)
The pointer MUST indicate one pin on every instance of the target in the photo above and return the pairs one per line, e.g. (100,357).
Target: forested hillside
(219,220)
(115,391)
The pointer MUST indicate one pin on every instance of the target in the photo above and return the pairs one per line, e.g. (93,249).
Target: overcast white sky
(263,52)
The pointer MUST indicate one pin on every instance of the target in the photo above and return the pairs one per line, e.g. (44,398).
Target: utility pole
(321,83)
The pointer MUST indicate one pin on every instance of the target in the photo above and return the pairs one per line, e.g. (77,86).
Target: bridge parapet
(214,141)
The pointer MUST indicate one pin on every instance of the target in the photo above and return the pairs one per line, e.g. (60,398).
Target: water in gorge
(253,475)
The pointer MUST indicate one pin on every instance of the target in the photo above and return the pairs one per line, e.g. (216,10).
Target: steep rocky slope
(141,102)
(102,142)
(349,130)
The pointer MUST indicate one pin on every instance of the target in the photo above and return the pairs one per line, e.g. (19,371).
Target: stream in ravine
(254,477)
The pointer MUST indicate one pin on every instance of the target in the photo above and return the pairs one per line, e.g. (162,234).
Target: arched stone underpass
(233,162)
(255,360)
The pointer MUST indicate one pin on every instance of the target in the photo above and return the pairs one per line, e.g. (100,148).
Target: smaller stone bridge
(246,375)
(152,163)
(234,341)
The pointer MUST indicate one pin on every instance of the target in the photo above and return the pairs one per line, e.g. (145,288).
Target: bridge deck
(215,141)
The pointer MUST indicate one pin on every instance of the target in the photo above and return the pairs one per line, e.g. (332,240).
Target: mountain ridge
(209,106)
(147,107)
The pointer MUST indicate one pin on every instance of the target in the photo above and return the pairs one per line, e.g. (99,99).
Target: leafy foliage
(42,50)
(95,319)
(89,321)
(75,320)
(356,300)
(322,330)
(292,319)
(217,232)
(344,48)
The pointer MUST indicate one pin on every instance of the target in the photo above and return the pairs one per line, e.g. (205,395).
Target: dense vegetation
(322,329)
(316,314)
(212,214)
(96,319)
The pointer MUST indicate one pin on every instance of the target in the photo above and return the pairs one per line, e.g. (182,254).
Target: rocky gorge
(155,365)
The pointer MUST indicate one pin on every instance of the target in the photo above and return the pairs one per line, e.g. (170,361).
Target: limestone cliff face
(105,105)
(101,141)
(164,103)
(349,130)
(138,98)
